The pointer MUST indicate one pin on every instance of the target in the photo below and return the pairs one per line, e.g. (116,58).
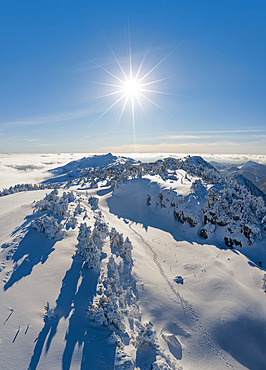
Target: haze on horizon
(207,58)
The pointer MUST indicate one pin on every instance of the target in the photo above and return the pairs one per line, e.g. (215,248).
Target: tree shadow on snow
(95,354)
(32,249)
(145,356)
(74,302)
(249,352)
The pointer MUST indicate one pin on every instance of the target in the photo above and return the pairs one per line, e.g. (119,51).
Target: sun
(131,87)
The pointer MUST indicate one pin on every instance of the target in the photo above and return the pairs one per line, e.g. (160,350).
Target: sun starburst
(131,87)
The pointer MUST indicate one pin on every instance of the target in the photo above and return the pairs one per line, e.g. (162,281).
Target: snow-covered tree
(93,202)
(115,297)
(71,222)
(236,210)
(54,204)
(90,243)
(105,311)
(121,247)
(79,209)
(146,336)
(47,225)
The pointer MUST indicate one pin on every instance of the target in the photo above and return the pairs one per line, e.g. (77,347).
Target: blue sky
(213,81)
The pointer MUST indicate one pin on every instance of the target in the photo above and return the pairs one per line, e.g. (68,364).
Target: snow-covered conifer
(53,203)
(93,202)
(72,222)
(90,243)
(47,225)
(146,336)
(105,310)
(79,209)
(121,247)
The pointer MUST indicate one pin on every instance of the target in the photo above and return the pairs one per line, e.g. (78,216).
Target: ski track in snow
(183,301)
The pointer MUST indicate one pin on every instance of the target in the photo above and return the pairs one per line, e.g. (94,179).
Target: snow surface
(214,319)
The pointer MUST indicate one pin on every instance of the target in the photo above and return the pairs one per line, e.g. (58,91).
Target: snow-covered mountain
(78,167)
(254,172)
(114,264)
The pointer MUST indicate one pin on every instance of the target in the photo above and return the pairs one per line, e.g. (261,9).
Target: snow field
(164,296)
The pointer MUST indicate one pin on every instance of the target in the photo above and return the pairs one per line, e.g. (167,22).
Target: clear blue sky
(215,80)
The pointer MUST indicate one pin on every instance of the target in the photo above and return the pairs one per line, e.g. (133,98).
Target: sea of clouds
(33,168)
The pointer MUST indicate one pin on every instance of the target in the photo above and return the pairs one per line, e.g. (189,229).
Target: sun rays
(131,87)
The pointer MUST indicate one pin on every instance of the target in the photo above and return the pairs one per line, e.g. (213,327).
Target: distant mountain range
(254,172)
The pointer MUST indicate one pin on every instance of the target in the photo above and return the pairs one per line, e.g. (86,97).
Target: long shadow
(79,319)
(62,309)
(23,227)
(250,352)
(35,248)
(39,345)
(97,352)
(145,356)
(74,302)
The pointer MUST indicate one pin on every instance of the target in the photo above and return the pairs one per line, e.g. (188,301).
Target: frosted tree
(54,204)
(146,336)
(46,204)
(79,209)
(121,247)
(93,202)
(115,297)
(237,210)
(71,222)
(83,239)
(105,310)
(47,225)
(90,243)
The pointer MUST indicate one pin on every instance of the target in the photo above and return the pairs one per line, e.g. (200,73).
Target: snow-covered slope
(255,172)
(252,171)
(75,168)
(157,265)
